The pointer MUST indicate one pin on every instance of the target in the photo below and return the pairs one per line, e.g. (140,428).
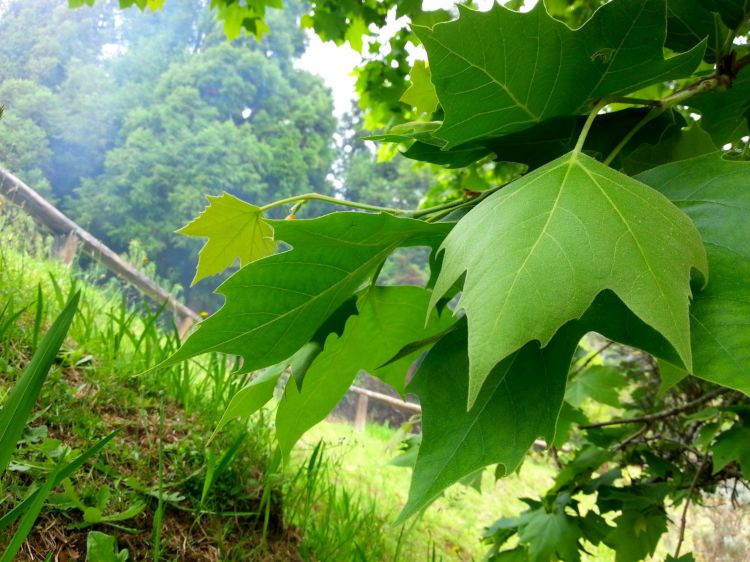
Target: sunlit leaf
(276,305)
(421,93)
(235,230)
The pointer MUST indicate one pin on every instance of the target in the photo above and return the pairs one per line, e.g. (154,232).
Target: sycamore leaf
(501,71)
(519,402)
(251,398)
(235,229)
(637,533)
(688,143)
(388,317)
(537,253)
(731,445)
(714,193)
(599,382)
(549,535)
(725,114)
(688,23)
(421,93)
(275,305)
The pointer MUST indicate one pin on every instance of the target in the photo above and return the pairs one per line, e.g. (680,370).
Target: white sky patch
(336,64)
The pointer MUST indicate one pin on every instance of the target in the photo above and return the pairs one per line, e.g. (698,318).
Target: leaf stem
(683,518)
(650,116)
(327,199)
(587,125)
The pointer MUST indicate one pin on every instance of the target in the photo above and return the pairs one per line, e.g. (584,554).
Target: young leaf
(713,192)
(595,229)
(235,229)
(549,534)
(519,401)
(501,71)
(388,317)
(275,305)
(421,94)
(599,382)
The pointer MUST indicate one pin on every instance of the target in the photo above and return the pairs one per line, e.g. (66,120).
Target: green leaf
(549,535)
(725,113)
(599,382)
(421,93)
(251,398)
(731,445)
(354,33)
(596,229)
(636,534)
(275,305)
(235,229)
(688,23)
(519,402)
(103,548)
(733,12)
(388,317)
(713,192)
(671,375)
(501,71)
(689,143)
(20,402)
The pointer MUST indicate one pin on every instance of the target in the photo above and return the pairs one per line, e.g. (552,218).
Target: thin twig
(590,358)
(683,518)
(663,414)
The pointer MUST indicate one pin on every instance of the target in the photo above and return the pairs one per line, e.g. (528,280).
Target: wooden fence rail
(48,216)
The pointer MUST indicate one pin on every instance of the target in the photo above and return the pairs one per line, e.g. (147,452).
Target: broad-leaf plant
(618,137)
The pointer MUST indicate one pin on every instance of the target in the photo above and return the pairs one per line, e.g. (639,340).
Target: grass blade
(64,473)
(22,397)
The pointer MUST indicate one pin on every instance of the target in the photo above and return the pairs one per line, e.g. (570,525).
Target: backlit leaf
(421,93)
(235,229)
(275,305)
(501,71)
(537,253)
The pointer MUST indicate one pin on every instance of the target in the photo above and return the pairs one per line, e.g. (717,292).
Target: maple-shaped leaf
(276,305)
(725,113)
(235,230)
(501,71)
(519,402)
(537,253)
(421,93)
(714,193)
(388,317)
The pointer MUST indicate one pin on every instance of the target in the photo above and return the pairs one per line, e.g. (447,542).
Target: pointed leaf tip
(235,230)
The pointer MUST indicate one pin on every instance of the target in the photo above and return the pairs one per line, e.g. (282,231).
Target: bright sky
(335,64)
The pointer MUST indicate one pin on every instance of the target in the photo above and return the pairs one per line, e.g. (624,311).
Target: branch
(663,414)
(683,518)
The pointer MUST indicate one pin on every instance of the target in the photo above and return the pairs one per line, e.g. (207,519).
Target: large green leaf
(501,71)
(235,229)
(519,402)
(537,253)
(388,318)
(715,194)
(276,304)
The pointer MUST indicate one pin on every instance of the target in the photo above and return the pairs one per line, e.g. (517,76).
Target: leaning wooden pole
(47,215)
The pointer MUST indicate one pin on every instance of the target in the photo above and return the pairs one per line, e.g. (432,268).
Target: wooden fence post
(360,419)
